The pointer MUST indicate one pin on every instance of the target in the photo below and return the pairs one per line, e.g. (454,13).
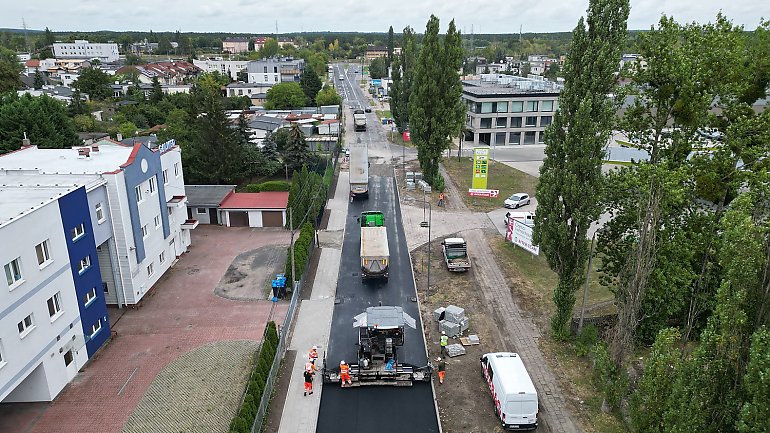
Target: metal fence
(283,332)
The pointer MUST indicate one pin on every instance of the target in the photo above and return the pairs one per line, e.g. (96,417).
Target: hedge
(271,185)
(255,387)
(301,251)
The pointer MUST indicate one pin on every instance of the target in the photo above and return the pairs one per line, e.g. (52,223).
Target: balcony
(189,224)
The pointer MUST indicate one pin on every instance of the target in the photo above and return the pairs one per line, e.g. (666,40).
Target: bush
(301,249)
(271,185)
(586,339)
(438,183)
(609,380)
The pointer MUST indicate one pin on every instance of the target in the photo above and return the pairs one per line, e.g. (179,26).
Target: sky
(260,16)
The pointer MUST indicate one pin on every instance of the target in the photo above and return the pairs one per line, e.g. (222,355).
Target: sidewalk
(300,413)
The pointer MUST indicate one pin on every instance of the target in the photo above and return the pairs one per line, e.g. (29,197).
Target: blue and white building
(81,228)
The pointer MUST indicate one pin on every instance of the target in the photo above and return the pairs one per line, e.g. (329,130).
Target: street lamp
(588,274)
(428,224)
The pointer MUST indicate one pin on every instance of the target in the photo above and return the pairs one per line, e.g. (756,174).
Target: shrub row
(255,387)
(301,252)
(271,185)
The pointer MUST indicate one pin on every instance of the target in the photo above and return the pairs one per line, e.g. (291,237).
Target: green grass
(501,177)
(384,113)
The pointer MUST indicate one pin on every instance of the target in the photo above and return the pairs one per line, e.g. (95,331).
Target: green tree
(84,123)
(38,81)
(212,82)
(310,84)
(164,45)
(269,49)
(391,47)
(48,37)
(570,178)
(553,71)
(328,96)
(128,129)
(94,83)
(285,95)
(378,68)
(435,109)
(295,152)
(755,412)
(401,89)
(43,119)
(157,92)
(10,69)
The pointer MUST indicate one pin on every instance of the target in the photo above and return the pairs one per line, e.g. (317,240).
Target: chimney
(119,137)
(95,149)
(25,141)
(84,152)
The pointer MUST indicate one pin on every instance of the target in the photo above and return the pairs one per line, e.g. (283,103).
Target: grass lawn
(506,179)
(384,113)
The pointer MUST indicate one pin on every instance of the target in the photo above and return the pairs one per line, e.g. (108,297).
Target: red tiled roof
(32,63)
(256,200)
(330,121)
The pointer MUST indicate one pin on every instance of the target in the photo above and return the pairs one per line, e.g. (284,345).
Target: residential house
(246,89)
(508,110)
(237,45)
(275,70)
(258,209)
(167,73)
(224,67)
(203,202)
(82,49)
(375,52)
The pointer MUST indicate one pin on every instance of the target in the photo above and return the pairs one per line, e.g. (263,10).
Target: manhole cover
(413,298)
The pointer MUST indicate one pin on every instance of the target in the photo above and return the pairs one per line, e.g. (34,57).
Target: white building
(225,67)
(81,49)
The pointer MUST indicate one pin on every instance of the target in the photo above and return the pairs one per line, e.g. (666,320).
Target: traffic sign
(491,193)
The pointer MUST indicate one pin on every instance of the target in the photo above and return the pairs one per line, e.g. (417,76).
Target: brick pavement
(523,333)
(180,314)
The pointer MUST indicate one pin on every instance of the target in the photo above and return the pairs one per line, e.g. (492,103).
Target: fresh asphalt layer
(375,408)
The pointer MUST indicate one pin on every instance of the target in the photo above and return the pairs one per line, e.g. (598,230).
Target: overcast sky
(260,16)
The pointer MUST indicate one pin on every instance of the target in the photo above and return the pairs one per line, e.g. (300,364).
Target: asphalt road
(374,408)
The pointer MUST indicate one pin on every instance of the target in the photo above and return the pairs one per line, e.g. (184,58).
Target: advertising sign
(407,136)
(480,167)
(484,192)
(520,233)
(376,82)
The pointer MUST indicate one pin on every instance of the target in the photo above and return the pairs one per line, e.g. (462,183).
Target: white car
(516,200)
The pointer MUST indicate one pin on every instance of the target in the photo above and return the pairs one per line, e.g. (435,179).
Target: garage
(272,218)
(239,219)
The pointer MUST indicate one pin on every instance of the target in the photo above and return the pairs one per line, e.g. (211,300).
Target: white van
(513,393)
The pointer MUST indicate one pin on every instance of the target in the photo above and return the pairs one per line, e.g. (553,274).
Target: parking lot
(180,322)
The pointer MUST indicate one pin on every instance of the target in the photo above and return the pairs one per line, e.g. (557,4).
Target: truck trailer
(375,255)
(360,121)
(381,333)
(359,170)
(456,254)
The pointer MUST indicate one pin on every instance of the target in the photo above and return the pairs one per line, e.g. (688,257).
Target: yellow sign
(480,167)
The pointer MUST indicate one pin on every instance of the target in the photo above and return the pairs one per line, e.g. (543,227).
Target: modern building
(375,52)
(224,67)
(275,70)
(508,110)
(247,89)
(82,49)
(235,45)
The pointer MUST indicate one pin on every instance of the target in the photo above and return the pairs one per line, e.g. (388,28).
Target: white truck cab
(513,393)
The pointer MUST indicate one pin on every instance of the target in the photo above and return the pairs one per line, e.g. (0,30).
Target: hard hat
(443,332)
(315,347)
(438,359)
(342,362)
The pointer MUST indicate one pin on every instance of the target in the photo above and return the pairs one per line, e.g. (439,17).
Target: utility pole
(430,217)
(291,245)
(585,291)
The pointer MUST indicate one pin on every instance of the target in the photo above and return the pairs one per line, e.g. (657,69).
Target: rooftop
(508,85)
(207,195)
(67,161)
(16,201)
(256,200)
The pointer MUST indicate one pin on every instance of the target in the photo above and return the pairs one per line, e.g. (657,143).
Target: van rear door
(520,411)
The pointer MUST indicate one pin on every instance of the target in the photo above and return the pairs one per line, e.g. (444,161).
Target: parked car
(516,200)
(347,151)
(368,109)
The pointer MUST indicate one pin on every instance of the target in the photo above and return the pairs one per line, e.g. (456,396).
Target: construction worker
(441,369)
(308,382)
(444,341)
(309,366)
(441,199)
(345,373)
(313,354)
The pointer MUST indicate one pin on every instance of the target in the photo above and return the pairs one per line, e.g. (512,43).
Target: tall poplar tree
(403,72)
(570,178)
(391,47)
(435,110)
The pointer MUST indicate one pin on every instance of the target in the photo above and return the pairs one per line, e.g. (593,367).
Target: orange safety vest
(344,369)
(313,354)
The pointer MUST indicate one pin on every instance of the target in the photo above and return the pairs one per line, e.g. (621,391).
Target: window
(26,326)
(165,177)
(96,327)
(529,137)
(138,190)
(90,296)
(153,185)
(500,138)
(85,263)
(99,213)
(547,106)
(162,257)
(43,255)
(541,138)
(514,138)
(105,287)
(532,105)
(200,210)
(515,122)
(13,272)
(68,358)
(486,107)
(150,269)
(517,106)
(54,304)
(502,122)
(545,120)
(531,121)
(502,107)
(144,231)
(176,169)
(157,221)
(78,231)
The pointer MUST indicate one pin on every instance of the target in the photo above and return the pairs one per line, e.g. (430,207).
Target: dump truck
(381,333)
(456,254)
(371,218)
(359,120)
(375,256)
(359,170)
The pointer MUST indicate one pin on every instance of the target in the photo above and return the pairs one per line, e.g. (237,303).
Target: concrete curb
(419,310)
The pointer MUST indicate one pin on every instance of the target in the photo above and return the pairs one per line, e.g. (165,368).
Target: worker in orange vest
(313,354)
(309,366)
(345,373)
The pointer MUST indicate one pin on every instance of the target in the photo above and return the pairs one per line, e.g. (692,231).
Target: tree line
(686,249)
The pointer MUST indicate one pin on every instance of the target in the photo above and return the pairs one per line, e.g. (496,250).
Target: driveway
(180,315)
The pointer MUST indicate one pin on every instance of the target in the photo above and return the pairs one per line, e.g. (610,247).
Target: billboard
(520,233)
(376,82)
(492,193)
(480,167)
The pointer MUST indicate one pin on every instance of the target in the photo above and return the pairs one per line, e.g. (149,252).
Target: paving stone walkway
(523,333)
(194,393)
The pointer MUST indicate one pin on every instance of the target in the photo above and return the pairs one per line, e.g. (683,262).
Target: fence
(283,332)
